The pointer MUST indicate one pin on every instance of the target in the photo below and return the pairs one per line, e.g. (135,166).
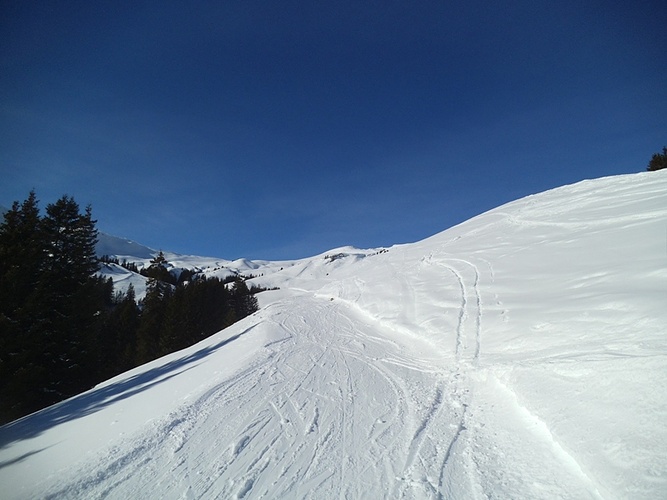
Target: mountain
(128,251)
(123,248)
(521,354)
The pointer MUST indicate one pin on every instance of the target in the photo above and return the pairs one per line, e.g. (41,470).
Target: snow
(521,354)
(122,279)
(122,248)
(141,256)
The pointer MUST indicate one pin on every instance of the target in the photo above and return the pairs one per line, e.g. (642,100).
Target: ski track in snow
(468,351)
(464,338)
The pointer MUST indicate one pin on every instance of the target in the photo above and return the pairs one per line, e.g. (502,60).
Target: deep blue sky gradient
(283,129)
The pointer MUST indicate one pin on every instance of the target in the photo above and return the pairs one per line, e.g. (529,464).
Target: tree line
(63,328)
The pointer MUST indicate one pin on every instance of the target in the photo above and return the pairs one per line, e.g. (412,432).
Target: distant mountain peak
(122,248)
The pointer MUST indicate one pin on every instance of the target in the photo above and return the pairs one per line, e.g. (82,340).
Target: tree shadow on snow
(97,399)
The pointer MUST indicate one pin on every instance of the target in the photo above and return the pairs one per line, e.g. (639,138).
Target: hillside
(521,354)
(125,250)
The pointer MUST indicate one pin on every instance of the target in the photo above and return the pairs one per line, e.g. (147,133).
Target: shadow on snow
(96,399)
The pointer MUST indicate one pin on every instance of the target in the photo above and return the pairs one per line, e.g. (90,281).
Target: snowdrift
(521,354)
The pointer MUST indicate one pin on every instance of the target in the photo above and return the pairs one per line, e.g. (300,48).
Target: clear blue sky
(272,130)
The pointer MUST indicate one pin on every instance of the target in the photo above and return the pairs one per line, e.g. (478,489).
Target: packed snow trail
(328,410)
(521,354)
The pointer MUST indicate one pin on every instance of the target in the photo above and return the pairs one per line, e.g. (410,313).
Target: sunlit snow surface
(522,354)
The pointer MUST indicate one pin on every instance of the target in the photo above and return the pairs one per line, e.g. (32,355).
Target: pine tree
(176,332)
(21,259)
(658,161)
(21,251)
(154,309)
(244,302)
(68,297)
(158,270)
(71,239)
(129,318)
(116,345)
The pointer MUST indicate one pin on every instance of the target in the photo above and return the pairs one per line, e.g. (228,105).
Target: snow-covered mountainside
(123,248)
(521,354)
(128,251)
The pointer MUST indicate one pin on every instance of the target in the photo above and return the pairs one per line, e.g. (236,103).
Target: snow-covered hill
(130,252)
(521,354)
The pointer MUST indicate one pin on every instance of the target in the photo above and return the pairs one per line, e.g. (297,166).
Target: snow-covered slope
(122,248)
(521,354)
(128,251)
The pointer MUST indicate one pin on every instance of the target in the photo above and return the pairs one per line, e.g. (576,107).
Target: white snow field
(521,354)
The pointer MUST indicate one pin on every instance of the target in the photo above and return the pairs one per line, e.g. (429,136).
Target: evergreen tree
(244,302)
(658,161)
(158,270)
(154,309)
(68,297)
(178,322)
(21,255)
(117,343)
(71,239)
(129,317)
